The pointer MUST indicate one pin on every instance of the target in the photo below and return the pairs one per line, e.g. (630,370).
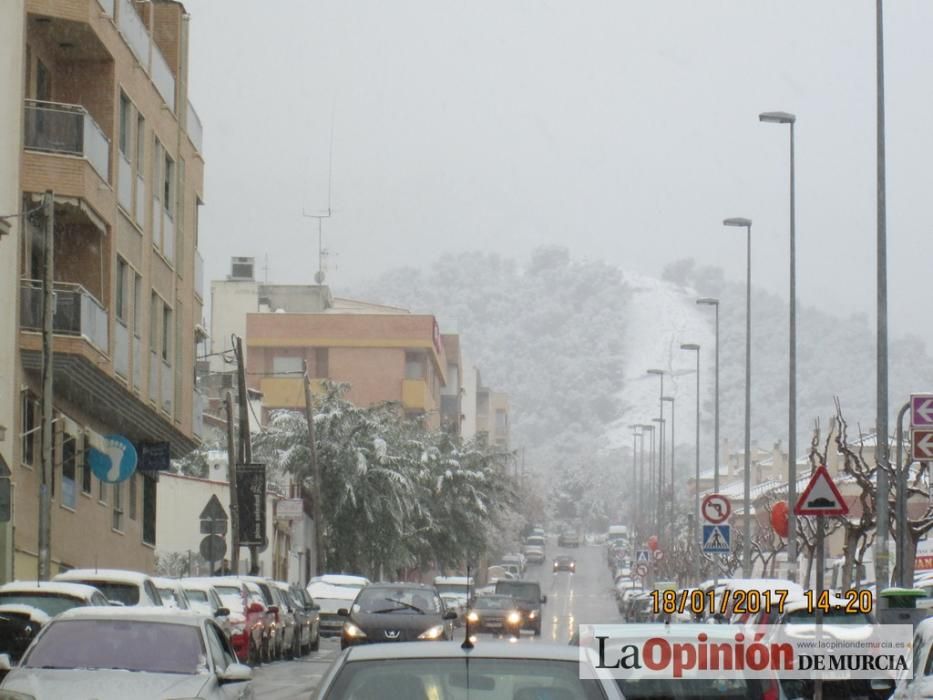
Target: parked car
(919,684)
(534,554)
(204,599)
(396,612)
(289,616)
(127,588)
(251,642)
(499,614)
(331,598)
(310,616)
(527,595)
(25,606)
(87,653)
(277,625)
(172,593)
(411,671)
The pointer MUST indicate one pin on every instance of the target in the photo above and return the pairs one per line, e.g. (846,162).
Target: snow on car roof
(119,575)
(198,584)
(454,650)
(72,590)
(142,614)
(35,614)
(453,580)
(165,582)
(341,580)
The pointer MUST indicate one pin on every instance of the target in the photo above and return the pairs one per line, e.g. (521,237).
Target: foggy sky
(624,130)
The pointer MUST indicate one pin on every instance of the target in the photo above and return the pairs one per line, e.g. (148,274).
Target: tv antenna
(322,252)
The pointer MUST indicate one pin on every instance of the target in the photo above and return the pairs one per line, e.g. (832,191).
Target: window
(321,363)
(502,420)
(118,506)
(414,365)
(285,364)
(31,428)
(86,483)
(132,499)
(155,308)
(140,147)
(168,184)
(43,82)
(121,309)
(69,468)
(157,159)
(149,510)
(167,334)
(137,309)
(125,112)
(102,492)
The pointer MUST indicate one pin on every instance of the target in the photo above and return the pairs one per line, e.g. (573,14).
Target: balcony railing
(198,274)
(62,128)
(121,349)
(76,313)
(163,78)
(195,128)
(134,31)
(124,183)
(168,387)
(197,414)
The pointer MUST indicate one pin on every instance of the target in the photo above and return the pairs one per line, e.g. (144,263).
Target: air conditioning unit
(242,268)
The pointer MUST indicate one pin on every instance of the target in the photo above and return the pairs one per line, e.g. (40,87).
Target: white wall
(230,302)
(12,31)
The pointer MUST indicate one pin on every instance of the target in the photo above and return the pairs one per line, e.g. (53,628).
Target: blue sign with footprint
(112,459)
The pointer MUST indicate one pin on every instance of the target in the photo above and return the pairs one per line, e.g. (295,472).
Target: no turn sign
(716,509)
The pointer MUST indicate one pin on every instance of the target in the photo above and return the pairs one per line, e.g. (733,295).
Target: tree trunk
(910,557)
(848,553)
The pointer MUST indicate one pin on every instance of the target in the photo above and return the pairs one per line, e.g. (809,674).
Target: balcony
(77,313)
(51,127)
(415,394)
(121,349)
(195,128)
(124,183)
(287,392)
(137,37)
(197,414)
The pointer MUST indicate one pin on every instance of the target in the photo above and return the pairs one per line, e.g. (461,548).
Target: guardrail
(54,127)
(76,313)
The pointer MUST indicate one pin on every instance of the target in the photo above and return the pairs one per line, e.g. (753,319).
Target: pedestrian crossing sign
(717,539)
(642,556)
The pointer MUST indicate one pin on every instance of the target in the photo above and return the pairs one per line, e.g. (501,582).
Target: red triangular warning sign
(821,497)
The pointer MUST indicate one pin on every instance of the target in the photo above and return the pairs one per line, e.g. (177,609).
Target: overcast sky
(624,130)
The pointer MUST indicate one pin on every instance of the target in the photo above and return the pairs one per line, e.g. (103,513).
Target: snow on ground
(661,317)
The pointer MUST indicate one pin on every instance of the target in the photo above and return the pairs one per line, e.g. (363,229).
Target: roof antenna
(467,642)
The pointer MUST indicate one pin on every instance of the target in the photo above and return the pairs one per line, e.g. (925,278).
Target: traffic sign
(658,555)
(921,410)
(213,548)
(717,539)
(213,510)
(642,556)
(716,508)
(921,445)
(821,497)
(289,509)
(641,570)
(112,458)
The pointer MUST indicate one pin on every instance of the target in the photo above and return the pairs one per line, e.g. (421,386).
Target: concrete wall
(12,31)
(230,302)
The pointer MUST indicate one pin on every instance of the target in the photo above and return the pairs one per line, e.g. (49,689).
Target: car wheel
(315,644)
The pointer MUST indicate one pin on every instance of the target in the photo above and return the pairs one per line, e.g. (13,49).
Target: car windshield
(523,590)
(494,603)
(396,600)
(49,603)
(832,617)
(734,686)
(194,596)
(126,593)
(453,679)
(171,598)
(458,588)
(131,645)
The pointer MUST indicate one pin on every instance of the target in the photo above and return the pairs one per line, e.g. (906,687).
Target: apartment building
(492,415)
(107,129)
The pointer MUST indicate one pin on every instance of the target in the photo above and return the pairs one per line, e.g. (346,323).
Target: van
(527,595)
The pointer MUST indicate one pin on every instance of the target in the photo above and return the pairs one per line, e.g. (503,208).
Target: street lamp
(710,301)
(649,428)
(787,118)
(659,510)
(696,484)
(746,500)
(636,435)
(660,374)
(671,522)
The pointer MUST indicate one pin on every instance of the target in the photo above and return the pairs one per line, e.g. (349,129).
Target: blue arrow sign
(717,539)
(112,458)
(642,556)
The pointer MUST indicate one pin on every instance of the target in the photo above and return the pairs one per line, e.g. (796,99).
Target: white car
(143,653)
(172,593)
(51,597)
(331,598)
(128,588)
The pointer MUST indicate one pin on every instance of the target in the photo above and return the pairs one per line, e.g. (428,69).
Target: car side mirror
(5,663)
(236,673)
(222,612)
(343,612)
(543,600)
(450,615)
(254,608)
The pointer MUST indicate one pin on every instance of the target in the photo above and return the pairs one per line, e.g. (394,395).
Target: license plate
(494,624)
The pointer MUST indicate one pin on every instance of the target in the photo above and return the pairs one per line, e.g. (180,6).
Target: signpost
(154,456)
(717,539)
(921,427)
(251,500)
(213,547)
(214,525)
(642,556)
(717,532)
(641,570)
(112,458)
(716,509)
(290,509)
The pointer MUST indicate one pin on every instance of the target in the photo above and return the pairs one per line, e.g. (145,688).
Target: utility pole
(48,312)
(245,454)
(234,494)
(316,511)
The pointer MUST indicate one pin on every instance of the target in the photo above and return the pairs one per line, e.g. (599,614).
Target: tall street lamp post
(636,470)
(670,399)
(790,119)
(659,373)
(659,509)
(693,347)
(710,301)
(746,499)
(643,493)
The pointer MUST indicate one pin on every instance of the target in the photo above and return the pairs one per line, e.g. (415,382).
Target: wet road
(572,599)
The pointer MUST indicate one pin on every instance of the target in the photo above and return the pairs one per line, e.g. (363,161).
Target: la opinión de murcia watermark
(714,651)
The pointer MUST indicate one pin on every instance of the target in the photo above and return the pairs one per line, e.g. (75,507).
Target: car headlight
(533,614)
(432,633)
(514,617)
(352,631)
(473,616)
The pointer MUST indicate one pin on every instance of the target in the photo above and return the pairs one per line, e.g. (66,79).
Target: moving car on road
(568,538)
(142,653)
(527,595)
(396,612)
(499,614)
(565,562)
